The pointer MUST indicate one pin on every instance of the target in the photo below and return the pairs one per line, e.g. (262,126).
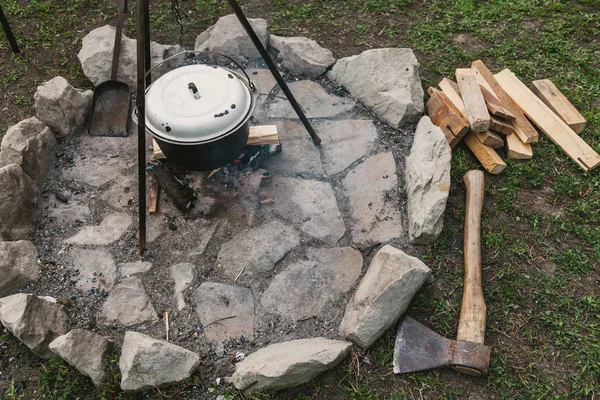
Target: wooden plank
(516,149)
(545,90)
(157,151)
(477,113)
(494,106)
(554,127)
(523,128)
(490,139)
(503,127)
(263,134)
(154,190)
(445,115)
(450,88)
(487,156)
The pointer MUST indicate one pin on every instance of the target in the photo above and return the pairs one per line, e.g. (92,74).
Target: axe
(419,348)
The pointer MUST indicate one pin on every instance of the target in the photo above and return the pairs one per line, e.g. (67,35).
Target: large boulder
(84,350)
(96,56)
(33,320)
(427,174)
(146,362)
(31,144)
(288,364)
(301,56)
(62,107)
(385,80)
(20,203)
(382,296)
(18,266)
(228,37)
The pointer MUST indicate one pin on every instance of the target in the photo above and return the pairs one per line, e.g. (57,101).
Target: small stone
(86,351)
(136,267)
(61,197)
(427,182)
(18,266)
(146,363)
(225,311)
(184,275)
(301,55)
(129,304)
(204,236)
(31,145)
(385,80)
(33,320)
(382,296)
(96,268)
(62,107)
(257,250)
(288,364)
(20,204)
(109,231)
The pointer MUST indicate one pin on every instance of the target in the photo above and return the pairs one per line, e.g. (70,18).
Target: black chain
(177,15)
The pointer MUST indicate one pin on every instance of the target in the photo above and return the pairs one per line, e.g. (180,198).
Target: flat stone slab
(315,101)
(146,362)
(309,204)
(257,250)
(135,267)
(96,269)
(263,78)
(307,288)
(225,311)
(298,155)
(100,159)
(129,304)
(288,364)
(184,275)
(122,191)
(205,235)
(375,218)
(110,230)
(86,351)
(68,213)
(383,295)
(344,142)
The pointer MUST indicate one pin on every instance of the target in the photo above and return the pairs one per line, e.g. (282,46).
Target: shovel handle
(117,46)
(471,326)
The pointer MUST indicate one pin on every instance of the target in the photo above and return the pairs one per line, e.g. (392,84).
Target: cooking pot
(198,113)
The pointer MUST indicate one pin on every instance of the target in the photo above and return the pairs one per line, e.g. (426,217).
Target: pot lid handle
(194,89)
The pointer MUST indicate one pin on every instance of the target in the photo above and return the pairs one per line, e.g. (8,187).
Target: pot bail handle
(194,90)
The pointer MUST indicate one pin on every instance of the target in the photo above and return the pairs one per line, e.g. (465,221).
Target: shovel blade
(110,110)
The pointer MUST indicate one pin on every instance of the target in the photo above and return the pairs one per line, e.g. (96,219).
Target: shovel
(111,103)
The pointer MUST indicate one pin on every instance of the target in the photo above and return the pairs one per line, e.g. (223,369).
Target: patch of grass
(61,381)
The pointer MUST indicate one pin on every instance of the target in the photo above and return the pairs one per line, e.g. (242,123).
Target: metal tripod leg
(9,35)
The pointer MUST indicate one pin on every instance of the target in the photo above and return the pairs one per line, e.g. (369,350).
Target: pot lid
(197,103)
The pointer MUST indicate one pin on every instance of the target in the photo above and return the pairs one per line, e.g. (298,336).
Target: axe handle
(471,326)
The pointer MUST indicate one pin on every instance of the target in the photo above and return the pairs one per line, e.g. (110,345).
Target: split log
(523,128)
(470,92)
(490,139)
(487,156)
(445,115)
(154,190)
(504,127)
(554,127)
(516,149)
(494,106)
(553,98)
(180,194)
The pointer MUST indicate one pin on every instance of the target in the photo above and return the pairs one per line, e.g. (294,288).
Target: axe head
(419,348)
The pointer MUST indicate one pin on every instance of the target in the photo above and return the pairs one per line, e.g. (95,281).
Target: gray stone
(385,80)
(228,37)
(309,287)
(146,362)
(96,269)
(301,55)
(383,295)
(345,142)
(307,203)
(31,145)
(288,364)
(20,204)
(257,250)
(68,213)
(427,182)
(299,155)
(316,102)
(376,219)
(18,266)
(122,191)
(110,230)
(135,267)
(33,320)
(205,235)
(84,350)
(129,304)
(96,54)
(62,107)
(225,311)
(263,79)
(184,275)
(101,159)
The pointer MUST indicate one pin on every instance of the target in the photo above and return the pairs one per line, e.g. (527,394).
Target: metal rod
(147,52)
(265,56)
(142,10)
(9,35)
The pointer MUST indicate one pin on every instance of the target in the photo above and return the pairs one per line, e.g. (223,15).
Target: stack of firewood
(492,111)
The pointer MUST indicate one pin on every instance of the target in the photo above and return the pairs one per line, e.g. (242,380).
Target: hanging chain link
(175,10)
